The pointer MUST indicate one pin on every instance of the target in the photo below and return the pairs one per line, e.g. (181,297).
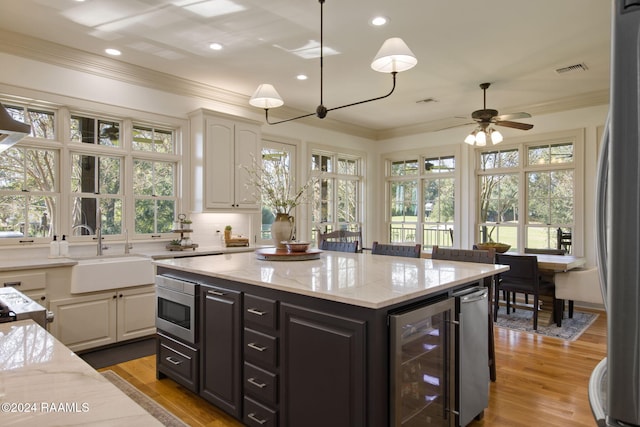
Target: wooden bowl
(499,247)
(295,246)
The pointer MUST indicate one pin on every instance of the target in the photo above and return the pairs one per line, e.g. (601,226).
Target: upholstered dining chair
(340,236)
(523,277)
(478,256)
(396,250)
(544,251)
(339,246)
(581,284)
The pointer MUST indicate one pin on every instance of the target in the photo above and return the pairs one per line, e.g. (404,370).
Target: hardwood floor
(540,381)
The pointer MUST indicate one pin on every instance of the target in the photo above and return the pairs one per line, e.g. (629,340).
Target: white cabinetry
(103,318)
(220,144)
(31,283)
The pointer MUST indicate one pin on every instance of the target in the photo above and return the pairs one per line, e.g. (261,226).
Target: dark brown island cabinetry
(221,347)
(271,357)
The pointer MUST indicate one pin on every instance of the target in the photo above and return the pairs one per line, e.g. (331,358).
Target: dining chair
(477,256)
(580,284)
(563,240)
(396,250)
(340,236)
(523,277)
(339,246)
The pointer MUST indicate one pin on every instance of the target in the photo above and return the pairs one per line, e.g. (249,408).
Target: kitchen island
(304,342)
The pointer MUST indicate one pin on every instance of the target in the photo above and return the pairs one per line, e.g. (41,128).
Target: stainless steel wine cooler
(422,366)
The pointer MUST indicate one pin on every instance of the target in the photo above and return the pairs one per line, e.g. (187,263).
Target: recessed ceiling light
(113,52)
(215,46)
(301,77)
(379,21)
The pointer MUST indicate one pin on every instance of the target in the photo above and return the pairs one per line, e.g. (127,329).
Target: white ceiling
(515,44)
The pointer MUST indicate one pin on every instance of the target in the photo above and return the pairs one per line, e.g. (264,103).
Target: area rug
(522,320)
(113,355)
(148,404)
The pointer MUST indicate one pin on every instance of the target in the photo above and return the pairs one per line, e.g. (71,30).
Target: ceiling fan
(486,117)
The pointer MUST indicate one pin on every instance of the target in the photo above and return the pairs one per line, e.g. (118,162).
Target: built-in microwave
(177,307)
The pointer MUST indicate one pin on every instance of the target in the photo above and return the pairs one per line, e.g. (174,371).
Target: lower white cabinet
(103,318)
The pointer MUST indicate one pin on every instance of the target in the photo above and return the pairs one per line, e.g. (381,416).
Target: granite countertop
(43,383)
(363,279)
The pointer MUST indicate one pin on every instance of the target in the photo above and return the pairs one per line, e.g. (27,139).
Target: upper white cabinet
(220,144)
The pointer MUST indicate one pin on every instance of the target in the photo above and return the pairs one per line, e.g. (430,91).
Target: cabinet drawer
(261,384)
(260,312)
(258,415)
(24,281)
(260,349)
(178,362)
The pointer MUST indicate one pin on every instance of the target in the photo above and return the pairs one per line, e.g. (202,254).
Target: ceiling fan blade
(512,116)
(515,125)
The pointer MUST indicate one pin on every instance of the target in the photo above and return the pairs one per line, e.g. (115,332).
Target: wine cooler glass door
(422,369)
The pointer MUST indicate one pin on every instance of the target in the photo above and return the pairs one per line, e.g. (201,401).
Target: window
(421,197)
(28,194)
(42,122)
(154,193)
(90,130)
(95,182)
(98,152)
(153,140)
(337,196)
(537,178)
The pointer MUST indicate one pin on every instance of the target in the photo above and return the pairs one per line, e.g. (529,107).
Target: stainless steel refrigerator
(614,389)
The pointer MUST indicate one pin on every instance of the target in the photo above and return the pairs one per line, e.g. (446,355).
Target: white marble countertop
(43,383)
(363,279)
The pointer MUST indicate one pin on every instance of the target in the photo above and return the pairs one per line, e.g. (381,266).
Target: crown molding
(78,60)
(86,62)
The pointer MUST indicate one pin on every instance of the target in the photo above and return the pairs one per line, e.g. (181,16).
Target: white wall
(22,77)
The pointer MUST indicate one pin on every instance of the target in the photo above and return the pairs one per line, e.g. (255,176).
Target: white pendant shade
(496,137)
(394,56)
(266,96)
(481,139)
(471,138)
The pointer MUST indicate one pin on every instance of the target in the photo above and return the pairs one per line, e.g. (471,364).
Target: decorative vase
(282,229)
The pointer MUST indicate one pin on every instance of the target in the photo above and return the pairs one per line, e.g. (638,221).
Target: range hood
(11,131)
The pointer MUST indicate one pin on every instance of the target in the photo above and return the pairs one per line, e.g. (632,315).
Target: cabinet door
(221,382)
(227,146)
(136,313)
(85,322)
(323,369)
(247,142)
(219,164)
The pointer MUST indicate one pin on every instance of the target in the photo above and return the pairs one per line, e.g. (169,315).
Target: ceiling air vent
(426,101)
(572,68)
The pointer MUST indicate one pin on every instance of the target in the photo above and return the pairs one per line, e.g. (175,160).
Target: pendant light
(393,57)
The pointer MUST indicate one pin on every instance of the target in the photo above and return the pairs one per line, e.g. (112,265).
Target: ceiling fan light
(471,138)
(266,96)
(481,139)
(496,137)
(394,57)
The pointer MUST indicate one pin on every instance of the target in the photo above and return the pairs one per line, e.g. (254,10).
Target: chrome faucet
(99,231)
(127,246)
(80,227)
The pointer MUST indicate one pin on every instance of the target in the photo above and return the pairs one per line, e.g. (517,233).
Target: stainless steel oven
(177,307)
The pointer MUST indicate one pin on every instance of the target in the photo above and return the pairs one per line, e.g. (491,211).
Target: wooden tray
(273,254)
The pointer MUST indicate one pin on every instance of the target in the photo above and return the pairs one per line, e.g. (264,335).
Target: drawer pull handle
(256,346)
(13,284)
(217,293)
(256,311)
(253,381)
(253,417)
(173,361)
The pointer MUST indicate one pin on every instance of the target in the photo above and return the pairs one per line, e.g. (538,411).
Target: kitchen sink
(111,272)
